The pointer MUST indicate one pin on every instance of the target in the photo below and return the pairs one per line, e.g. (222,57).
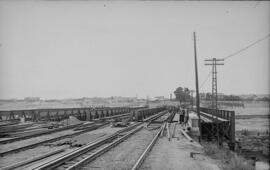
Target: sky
(73,49)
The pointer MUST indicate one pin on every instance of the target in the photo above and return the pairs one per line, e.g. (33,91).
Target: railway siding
(38,146)
(125,155)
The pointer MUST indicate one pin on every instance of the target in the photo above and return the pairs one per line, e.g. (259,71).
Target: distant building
(159,97)
(203,96)
(32,99)
(221,96)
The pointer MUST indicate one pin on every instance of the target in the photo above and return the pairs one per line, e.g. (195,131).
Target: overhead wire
(248,46)
(235,53)
(205,80)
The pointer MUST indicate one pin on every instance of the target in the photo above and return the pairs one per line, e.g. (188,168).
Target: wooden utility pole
(197,88)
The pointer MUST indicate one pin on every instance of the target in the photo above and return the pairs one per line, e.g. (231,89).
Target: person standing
(180,113)
(186,117)
(181,116)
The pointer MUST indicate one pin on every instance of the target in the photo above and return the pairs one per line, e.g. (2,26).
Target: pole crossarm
(214,64)
(217,59)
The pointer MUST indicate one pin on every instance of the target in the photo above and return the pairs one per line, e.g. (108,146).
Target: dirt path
(175,155)
(125,154)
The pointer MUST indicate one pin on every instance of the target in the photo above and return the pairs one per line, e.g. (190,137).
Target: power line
(245,48)
(207,77)
(235,53)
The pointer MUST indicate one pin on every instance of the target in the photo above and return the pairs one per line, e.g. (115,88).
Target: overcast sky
(74,49)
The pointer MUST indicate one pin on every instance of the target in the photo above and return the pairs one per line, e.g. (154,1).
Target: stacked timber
(8,123)
(8,129)
(31,128)
(21,129)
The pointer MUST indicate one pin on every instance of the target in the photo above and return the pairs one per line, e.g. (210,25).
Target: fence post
(232,122)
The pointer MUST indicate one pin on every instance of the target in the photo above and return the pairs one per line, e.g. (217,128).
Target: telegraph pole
(197,88)
(214,62)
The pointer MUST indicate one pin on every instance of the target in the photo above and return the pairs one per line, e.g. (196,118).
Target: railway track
(142,157)
(59,129)
(125,155)
(95,126)
(38,134)
(148,149)
(90,151)
(78,158)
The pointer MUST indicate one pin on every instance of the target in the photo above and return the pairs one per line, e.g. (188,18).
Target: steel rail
(29,161)
(76,153)
(56,130)
(103,150)
(170,118)
(155,117)
(52,139)
(147,150)
(111,117)
(4,123)
(38,134)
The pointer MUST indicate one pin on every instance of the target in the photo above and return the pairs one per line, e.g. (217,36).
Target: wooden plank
(162,130)
(232,123)
(168,131)
(210,116)
(186,135)
(173,134)
(206,120)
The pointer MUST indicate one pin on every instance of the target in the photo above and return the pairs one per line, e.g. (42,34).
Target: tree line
(183,94)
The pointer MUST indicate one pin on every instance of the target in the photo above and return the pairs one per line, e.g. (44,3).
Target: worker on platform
(179,112)
(186,117)
(181,116)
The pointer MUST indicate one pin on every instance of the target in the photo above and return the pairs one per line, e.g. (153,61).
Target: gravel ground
(175,155)
(125,154)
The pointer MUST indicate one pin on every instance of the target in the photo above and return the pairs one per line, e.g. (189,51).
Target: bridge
(56,114)
(218,124)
